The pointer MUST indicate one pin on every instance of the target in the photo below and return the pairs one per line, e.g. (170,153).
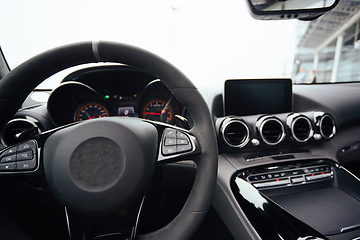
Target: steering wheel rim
(32,72)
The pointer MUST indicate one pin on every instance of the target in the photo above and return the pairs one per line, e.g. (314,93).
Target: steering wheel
(100,166)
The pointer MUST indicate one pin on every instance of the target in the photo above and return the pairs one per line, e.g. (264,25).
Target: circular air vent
(301,129)
(327,126)
(18,130)
(272,131)
(235,133)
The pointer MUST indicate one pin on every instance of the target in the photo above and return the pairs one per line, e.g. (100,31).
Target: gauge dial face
(90,111)
(158,110)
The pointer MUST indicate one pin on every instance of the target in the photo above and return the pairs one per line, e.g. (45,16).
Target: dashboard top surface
(127,91)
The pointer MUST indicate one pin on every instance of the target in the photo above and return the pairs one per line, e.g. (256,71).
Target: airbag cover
(100,166)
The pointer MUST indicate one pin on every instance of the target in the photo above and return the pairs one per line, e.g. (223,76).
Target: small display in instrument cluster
(124,103)
(126,111)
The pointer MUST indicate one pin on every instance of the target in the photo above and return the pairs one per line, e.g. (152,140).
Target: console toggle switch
(298,179)
(278,182)
(318,176)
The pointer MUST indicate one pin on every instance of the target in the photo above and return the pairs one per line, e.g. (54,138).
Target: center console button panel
(287,176)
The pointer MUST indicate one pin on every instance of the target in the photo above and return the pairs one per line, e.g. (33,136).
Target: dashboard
(290,156)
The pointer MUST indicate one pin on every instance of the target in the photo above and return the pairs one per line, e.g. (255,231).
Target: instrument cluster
(112,91)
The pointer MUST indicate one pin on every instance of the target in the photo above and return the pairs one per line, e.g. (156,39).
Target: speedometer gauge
(90,111)
(158,110)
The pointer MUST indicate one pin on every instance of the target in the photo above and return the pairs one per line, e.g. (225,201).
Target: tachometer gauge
(90,111)
(158,110)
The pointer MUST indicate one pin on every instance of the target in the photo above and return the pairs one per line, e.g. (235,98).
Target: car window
(210,41)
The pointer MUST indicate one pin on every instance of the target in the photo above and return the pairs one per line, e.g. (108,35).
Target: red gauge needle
(152,113)
(92,117)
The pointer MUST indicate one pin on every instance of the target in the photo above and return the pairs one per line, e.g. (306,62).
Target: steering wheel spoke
(120,225)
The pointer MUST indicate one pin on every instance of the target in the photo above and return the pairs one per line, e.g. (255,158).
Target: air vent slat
(301,129)
(235,133)
(272,131)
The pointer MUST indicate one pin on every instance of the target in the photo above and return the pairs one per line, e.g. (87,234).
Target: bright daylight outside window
(209,41)
(329,48)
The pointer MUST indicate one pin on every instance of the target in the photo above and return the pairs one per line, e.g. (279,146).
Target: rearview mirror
(290,9)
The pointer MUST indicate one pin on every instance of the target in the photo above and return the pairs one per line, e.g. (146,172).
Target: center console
(319,193)
(279,151)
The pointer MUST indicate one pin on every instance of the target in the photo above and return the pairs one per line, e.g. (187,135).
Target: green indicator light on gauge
(107,96)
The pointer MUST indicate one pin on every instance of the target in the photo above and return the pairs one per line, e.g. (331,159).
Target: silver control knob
(317,136)
(255,142)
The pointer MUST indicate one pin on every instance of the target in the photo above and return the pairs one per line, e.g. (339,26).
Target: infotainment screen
(257,96)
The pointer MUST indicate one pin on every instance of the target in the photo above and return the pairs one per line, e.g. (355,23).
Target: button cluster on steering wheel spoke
(175,142)
(21,157)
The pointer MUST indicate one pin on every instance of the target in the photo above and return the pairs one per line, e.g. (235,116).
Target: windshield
(210,41)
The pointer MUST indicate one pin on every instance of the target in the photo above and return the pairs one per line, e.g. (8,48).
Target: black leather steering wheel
(129,149)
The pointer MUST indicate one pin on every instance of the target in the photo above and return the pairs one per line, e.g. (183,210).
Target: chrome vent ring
(272,131)
(327,126)
(235,132)
(301,129)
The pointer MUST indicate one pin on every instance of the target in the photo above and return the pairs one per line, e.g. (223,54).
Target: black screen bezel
(230,105)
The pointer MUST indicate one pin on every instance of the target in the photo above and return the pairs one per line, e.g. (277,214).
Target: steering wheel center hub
(99,166)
